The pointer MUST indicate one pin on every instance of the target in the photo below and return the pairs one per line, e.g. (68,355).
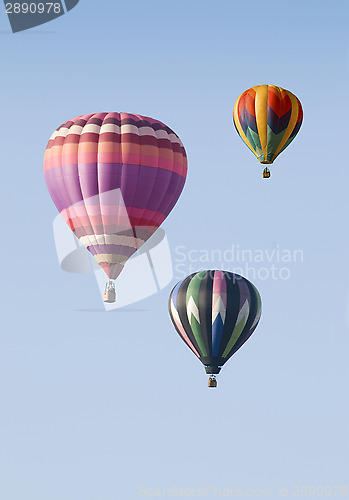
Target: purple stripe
(244,293)
(278,123)
(247,120)
(142,187)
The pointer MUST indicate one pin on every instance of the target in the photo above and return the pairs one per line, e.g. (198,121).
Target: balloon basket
(109,293)
(266,173)
(212,382)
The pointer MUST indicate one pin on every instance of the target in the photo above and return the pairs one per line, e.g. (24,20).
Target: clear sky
(108,406)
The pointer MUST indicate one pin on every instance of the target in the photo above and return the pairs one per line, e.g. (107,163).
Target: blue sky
(95,405)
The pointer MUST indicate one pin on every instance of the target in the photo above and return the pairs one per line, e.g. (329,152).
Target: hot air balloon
(214,312)
(267,118)
(114,177)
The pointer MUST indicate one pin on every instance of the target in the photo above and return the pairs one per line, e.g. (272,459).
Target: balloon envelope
(114,177)
(267,118)
(214,312)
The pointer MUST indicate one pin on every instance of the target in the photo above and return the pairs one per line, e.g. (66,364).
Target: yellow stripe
(238,126)
(292,122)
(261,107)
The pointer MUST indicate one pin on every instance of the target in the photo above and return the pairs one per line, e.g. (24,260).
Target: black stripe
(233,304)
(247,332)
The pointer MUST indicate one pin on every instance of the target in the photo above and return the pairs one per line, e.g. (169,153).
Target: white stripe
(75,129)
(174,138)
(192,310)
(218,308)
(148,131)
(62,132)
(161,134)
(256,319)
(144,131)
(116,129)
(110,258)
(175,313)
(91,128)
(112,239)
(244,311)
(129,129)
(110,127)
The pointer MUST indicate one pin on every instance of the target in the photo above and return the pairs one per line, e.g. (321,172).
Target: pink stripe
(219,283)
(183,333)
(152,219)
(82,210)
(112,210)
(179,166)
(112,225)
(219,288)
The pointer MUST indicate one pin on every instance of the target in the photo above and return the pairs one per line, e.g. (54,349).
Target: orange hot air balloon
(267,118)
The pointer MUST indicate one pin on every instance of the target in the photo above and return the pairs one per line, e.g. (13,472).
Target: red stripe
(247,100)
(279,105)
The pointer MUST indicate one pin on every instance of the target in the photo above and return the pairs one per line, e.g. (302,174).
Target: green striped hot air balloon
(214,312)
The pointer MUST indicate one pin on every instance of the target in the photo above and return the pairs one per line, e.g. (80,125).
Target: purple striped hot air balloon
(114,177)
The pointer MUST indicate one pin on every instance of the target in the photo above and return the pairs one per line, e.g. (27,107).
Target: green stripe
(259,300)
(195,326)
(273,141)
(253,139)
(235,335)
